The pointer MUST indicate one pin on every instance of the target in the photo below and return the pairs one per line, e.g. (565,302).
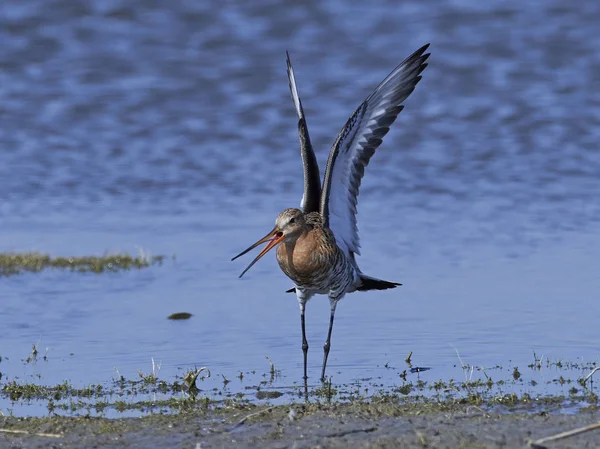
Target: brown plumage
(308,258)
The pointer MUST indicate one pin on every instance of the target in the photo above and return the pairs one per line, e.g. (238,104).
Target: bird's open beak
(274,237)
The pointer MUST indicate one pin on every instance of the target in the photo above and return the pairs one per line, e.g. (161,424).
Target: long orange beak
(274,237)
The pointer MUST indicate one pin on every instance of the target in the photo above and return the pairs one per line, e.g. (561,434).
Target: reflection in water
(130,125)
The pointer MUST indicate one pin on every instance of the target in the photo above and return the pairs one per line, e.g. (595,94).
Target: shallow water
(129,126)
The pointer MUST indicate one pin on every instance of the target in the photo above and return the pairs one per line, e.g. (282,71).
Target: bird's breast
(306,261)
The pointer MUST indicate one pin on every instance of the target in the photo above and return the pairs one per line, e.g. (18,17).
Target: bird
(317,245)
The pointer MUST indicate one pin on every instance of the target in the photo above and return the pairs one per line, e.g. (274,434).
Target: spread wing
(312,178)
(357,142)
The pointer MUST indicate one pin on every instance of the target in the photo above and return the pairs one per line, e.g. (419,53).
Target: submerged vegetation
(16,263)
(153,395)
(196,390)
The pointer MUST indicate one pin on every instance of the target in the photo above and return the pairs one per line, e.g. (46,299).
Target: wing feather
(312,178)
(356,144)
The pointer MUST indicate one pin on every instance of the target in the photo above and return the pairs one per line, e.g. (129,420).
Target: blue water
(167,128)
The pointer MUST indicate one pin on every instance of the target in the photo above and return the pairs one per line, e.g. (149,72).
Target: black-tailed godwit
(316,245)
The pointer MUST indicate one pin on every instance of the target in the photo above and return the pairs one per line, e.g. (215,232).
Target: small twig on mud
(588,377)
(49,435)
(245,418)
(343,433)
(474,407)
(539,444)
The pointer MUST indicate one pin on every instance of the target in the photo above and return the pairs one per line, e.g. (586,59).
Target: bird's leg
(302,302)
(304,342)
(327,345)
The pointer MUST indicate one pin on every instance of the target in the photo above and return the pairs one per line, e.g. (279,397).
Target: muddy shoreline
(266,410)
(380,425)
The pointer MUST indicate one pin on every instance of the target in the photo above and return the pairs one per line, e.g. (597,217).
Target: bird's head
(289,225)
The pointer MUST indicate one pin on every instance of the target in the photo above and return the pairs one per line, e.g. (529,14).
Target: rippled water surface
(168,127)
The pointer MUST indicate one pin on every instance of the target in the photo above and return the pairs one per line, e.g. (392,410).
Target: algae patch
(16,263)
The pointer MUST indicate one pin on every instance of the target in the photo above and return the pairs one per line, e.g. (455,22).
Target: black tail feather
(369,283)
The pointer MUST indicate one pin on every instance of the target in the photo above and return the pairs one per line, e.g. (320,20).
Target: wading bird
(316,246)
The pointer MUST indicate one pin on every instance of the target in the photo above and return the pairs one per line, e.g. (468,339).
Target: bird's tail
(366,283)
(369,283)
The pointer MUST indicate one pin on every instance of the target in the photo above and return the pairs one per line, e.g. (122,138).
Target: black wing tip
(422,50)
(419,55)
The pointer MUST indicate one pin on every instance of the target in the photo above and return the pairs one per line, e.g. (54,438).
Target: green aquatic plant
(12,263)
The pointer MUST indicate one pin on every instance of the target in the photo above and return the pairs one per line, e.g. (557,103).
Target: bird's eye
(292,220)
